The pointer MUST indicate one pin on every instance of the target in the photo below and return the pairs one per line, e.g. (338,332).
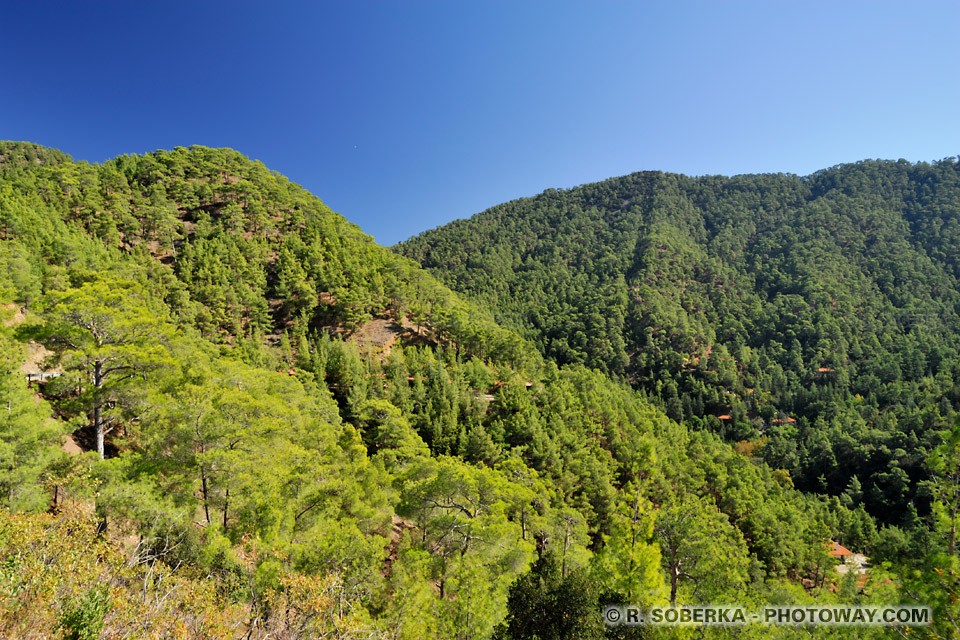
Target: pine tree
(107,333)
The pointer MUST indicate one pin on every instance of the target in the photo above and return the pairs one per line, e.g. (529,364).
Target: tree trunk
(206,505)
(98,427)
(673,587)
(97,417)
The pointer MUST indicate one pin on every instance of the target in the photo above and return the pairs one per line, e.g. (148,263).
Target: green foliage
(83,620)
(700,550)
(276,465)
(538,598)
(107,332)
(629,562)
(29,437)
(819,312)
(945,484)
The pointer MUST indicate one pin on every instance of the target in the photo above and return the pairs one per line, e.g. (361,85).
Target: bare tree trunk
(98,427)
(97,417)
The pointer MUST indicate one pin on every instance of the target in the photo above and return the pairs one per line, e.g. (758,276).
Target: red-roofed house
(839,551)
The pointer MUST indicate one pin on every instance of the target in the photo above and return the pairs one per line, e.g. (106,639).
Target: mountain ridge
(757,297)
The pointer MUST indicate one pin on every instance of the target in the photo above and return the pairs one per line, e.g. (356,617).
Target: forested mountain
(817,317)
(231,414)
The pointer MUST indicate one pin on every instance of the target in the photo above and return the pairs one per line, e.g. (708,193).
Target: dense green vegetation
(260,464)
(820,314)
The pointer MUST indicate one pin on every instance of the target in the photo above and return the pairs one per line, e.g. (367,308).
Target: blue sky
(403,115)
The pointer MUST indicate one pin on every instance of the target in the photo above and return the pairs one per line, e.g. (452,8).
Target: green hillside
(816,316)
(231,414)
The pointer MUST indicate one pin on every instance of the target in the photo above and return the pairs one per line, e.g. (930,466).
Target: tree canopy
(286,429)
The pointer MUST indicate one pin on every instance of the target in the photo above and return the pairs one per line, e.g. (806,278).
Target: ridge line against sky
(404,116)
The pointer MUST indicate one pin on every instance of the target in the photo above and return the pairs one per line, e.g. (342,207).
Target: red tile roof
(838,550)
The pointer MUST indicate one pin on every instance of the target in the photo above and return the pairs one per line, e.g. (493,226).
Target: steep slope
(821,312)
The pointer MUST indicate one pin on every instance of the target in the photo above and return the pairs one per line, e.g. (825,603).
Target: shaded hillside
(820,312)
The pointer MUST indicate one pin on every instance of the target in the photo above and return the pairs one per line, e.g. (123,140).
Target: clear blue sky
(403,115)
